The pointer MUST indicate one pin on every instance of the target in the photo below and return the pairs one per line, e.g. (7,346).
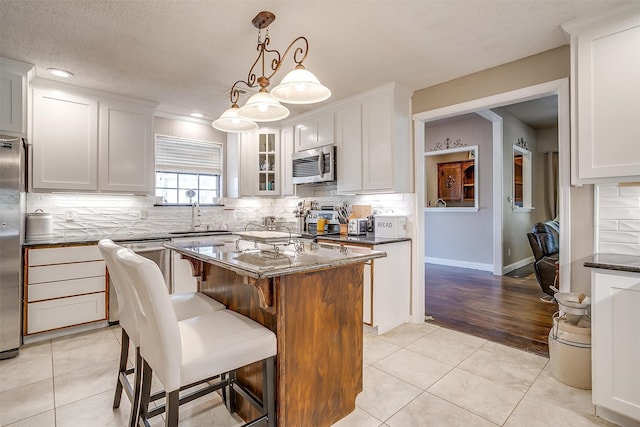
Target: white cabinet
(349,147)
(84,140)
(64,138)
(374,145)
(65,286)
(126,147)
(314,130)
(260,163)
(605,98)
(616,346)
(286,169)
(387,285)
(14,79)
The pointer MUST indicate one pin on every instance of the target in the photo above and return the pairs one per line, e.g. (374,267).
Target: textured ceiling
(185,55)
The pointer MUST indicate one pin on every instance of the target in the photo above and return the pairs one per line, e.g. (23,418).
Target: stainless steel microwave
(315,166)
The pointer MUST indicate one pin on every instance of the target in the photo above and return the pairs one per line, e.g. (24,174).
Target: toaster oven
(357,226)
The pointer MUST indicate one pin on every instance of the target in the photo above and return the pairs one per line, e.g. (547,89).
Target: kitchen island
(311,297)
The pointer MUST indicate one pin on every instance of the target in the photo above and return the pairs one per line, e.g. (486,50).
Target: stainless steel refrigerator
(12,209)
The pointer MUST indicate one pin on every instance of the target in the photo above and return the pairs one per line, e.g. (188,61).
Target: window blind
(188,155)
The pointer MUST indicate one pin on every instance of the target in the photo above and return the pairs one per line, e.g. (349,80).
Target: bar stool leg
(231,394)
(122,368)
(145,393)
(135,405)
(172,408)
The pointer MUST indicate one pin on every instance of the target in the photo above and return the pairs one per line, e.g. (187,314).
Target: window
(187,164)
(450,177)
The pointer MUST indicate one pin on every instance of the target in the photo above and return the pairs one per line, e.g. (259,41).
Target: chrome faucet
(269,222)
(195,216)
(441,203)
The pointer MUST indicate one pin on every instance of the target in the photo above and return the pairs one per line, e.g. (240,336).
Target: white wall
(515,224)
(463,238)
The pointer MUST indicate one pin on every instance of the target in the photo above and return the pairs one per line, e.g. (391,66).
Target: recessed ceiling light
(197,115)
(60,73)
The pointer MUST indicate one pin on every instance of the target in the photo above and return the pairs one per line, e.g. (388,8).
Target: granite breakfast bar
(311,296)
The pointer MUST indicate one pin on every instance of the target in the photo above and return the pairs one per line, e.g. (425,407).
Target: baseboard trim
(459,263)
(516,265)
(29,339)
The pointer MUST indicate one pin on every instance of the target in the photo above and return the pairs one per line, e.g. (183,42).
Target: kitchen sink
(199,232)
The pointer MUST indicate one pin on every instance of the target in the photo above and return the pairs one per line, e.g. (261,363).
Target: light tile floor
(415,375)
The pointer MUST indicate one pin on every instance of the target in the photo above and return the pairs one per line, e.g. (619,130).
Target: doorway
(482,106)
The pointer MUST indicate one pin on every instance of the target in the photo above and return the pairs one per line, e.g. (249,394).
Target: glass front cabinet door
(267,163)
(259,160)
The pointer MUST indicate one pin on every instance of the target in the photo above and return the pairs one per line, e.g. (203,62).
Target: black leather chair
(545,244)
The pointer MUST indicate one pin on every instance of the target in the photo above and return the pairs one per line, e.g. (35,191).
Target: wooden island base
(317,318)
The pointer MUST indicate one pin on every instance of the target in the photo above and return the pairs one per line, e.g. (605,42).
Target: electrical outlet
(143,214)
(509,252)
(68,216)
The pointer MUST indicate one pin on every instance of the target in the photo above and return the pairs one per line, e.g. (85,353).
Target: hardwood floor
(503,309)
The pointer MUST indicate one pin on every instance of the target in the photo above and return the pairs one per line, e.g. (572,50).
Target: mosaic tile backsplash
(618,213)
(97,215)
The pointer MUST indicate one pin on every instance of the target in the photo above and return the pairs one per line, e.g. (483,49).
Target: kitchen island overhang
(243,256)
(313,303)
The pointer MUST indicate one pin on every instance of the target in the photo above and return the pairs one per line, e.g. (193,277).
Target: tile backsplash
(618,213)
(91,215)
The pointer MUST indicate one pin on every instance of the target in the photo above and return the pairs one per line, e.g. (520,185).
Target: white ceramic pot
(39,224)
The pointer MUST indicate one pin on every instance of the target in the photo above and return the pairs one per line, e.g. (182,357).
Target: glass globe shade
(300,86)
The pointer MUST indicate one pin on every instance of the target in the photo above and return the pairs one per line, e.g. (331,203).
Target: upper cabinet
(64,140)
(349,150)
(605,97)
(14,79)
(126,141)
(286,169)
(314,130)
(373,140)
(260,163)
(84,140)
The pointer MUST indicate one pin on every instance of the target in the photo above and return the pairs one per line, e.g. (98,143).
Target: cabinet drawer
(63,255)
(54,273)
(65,288)
(58,313)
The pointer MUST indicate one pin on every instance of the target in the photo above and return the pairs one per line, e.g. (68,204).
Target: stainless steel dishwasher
(155,251)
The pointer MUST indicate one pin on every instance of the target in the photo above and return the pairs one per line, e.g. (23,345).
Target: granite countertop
(90,239)
(363,239)
(628,263)
(259,260)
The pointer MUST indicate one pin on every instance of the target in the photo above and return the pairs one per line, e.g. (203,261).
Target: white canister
(39,224)
(394,226)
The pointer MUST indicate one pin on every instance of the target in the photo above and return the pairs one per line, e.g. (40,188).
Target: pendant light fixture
(299,86)
(231,121)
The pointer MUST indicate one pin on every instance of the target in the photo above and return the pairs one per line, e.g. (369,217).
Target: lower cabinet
(387,283)
(616,346)
(65,286)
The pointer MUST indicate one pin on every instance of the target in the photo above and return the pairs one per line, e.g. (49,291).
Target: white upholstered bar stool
(185,305)
(193,351)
